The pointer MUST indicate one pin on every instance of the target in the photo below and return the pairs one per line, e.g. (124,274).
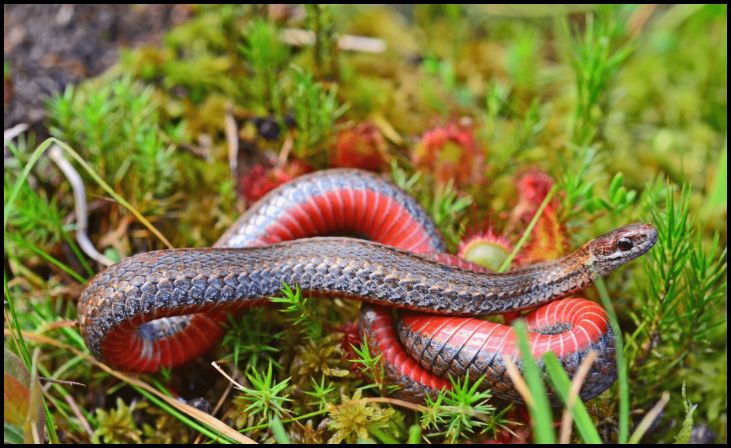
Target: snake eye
(624,244)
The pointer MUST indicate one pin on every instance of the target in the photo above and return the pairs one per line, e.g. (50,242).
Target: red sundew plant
(549,238)
(485,248)
(361,146)
(260,180)
(451,153)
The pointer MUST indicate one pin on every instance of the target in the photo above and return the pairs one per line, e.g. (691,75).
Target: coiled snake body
(163,308)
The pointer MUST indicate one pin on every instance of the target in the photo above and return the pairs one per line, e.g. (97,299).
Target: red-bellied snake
(162,308)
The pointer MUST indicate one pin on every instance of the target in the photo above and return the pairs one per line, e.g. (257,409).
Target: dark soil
(47,47)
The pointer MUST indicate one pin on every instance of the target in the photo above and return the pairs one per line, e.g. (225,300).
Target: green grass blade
(218,438)
(540,410)
(622,374)
(289,420)
(414,435)
(110,190)
(529,229)
(562,383)
(383,437)
(79,255)
(23,176)
(12,434)
(15,333)
(278,431)
(41,253)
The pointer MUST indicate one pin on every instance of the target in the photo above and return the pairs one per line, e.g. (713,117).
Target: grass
(576,407)
(538,404)
(462,411)
(624,106)
(304,314)
(622,374)
(526,234)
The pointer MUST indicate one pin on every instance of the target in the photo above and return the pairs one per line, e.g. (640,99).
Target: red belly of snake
(163,308)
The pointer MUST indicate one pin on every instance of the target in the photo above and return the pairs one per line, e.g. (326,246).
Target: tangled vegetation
(477,111)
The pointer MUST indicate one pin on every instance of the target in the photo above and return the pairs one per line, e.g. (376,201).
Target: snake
(352,234)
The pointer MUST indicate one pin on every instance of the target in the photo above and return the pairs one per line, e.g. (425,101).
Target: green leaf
(562,383)
(615,185)
(622,371)
(414,435)
(540,410)
(278,431)
(12,434)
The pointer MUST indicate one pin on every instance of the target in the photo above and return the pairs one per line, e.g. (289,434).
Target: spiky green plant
(354,419)
(116,425)
(267,57)
(301,309)
(462,412)
(265,398)
(316,110)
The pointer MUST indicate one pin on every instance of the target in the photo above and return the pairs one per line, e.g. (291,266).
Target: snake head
(613,249)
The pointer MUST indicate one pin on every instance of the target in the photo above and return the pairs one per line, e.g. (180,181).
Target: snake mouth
(644,240)
(651,239)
